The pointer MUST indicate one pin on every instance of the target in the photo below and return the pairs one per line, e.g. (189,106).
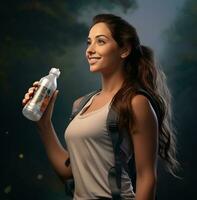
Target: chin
(94,68)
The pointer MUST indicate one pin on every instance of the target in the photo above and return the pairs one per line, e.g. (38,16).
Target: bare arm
(55,151)
(145,141)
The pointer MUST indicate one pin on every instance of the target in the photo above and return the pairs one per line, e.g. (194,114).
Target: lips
(93,60)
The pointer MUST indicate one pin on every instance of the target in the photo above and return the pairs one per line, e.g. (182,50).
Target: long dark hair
(141,72)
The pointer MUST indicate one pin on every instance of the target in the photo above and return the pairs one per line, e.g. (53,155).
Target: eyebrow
(98,36)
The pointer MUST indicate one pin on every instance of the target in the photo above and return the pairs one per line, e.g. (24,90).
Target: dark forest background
(36,35)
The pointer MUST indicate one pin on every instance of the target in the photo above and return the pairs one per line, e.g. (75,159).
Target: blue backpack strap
(114,175)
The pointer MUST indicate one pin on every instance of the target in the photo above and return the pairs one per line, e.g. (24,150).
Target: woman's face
(102,53)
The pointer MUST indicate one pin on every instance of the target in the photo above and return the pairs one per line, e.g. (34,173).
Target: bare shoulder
(142,109)
(139,101)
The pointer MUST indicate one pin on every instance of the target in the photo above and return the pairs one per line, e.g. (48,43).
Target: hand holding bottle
(30,93)
(47,115)
(38,97)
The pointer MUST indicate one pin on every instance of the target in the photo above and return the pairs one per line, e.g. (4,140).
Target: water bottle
(36,106)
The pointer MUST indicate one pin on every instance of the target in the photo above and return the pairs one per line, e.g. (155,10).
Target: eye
(88,43)
(100,41)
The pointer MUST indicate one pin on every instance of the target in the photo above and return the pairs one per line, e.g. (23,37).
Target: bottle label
(41,98)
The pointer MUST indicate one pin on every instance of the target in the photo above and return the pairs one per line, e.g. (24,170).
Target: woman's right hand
(30,93)
(47,115)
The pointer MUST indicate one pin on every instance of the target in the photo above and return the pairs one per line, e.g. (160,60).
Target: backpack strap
(115,172)
(82,103)
(114,175)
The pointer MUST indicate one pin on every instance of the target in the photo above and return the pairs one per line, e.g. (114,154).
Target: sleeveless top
(91,155)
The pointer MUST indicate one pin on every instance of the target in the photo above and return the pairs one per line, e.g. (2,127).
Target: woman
(114,50)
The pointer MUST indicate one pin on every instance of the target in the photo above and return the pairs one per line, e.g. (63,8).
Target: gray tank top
(91,155)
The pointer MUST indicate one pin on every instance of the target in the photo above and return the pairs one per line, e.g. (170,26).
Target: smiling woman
(100,148)
(103,53)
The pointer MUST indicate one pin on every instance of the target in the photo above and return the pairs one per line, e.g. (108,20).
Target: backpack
(114,174)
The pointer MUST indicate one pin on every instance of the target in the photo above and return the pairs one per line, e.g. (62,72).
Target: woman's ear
(125,51)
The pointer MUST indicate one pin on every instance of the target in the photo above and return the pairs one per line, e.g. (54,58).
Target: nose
(90,49)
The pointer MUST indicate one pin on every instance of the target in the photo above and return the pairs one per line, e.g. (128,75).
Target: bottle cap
(55,71)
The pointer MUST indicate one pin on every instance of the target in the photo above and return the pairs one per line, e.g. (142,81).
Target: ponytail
(140,71)
(151,78)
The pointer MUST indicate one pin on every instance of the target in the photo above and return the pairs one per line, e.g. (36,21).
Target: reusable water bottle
(36,106)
